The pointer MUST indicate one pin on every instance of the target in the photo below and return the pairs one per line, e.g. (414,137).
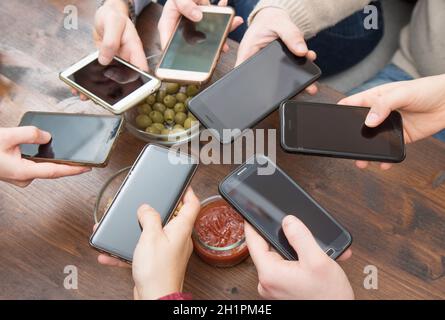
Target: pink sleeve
(177,296)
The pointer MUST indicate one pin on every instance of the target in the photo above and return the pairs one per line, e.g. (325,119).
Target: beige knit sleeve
(312,16)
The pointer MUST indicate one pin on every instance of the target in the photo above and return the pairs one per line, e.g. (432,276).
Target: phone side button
(330,252)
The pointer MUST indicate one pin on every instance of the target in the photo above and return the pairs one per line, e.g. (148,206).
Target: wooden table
(397,218)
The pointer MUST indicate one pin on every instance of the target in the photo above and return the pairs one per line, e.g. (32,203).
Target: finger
(311,55)
(112,262)
(112,34)
(46,170)
(138,57)
(185,220)
(361,164)
(223,3)
(226,48)
(312,89)
(83,97)
(237,21)
(293,38)
(26,135)
(345,255)
(381,100)
(189,9)
(95,227)
(259,249)
(385,166)
(74,92)
(247,48)
(150,221)
(301,239)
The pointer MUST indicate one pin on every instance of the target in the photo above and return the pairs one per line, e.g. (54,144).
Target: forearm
(312,16)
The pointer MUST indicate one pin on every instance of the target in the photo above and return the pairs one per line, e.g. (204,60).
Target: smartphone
(340,131)
(254,89)
(194,48)
(265,199)
(116,87)
(159,178)
(77,139)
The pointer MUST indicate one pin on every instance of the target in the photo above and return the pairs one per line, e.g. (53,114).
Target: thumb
(301,239)
(150,221)
(27,135)
(189,9)
(381,101)
(293,38)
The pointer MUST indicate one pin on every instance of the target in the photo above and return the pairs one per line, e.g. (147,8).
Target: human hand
(116,35)
(161,256)
(421,103)
(268,25)
(314,276)
(174,9)
(21,172)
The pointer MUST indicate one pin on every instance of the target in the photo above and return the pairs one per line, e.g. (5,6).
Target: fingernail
(87,169)
(46,135)
(104,60)
(301,48)
(145,207)
(196,14)
(288,220)
(372,119)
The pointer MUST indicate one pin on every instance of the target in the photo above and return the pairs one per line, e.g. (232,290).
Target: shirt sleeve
(312,16)
(177,296)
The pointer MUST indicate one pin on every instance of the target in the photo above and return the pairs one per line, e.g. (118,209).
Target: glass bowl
(218,234)
(163,139)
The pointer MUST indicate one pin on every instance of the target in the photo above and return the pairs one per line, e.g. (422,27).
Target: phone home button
(330,252)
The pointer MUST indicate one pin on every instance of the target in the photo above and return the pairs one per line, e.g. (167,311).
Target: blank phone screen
(156,179)
(111,83)
(266,199)
(333,128)
(75,137)
(195,45)
(254,89)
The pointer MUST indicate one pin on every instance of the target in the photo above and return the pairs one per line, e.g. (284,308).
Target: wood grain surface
(397,217)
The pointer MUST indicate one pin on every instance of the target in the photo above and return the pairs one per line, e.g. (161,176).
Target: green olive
(172,88)
(178,131)
(152,130)
(192,90)
(178,126)
(169,101)
(179,107)
(169,116)
(158,126)
(143,121)
(161,95)
(151,99)
(159,107)
(180,118)
(165,131)
(189,122)
(181,97)
(144,109)
(156,116)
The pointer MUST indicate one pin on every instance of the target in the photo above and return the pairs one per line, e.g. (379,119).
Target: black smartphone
(254,89)
(77,139)
(159,177)
(265,198)
(340,131)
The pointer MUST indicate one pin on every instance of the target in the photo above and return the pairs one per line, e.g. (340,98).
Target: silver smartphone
(116,87)
(159,178)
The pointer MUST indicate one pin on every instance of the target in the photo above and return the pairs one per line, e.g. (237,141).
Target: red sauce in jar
(219,235)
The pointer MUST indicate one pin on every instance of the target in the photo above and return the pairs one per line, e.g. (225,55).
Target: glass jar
(218,234)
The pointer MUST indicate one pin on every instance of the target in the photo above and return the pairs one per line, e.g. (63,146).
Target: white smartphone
(194,48)
(116,87)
